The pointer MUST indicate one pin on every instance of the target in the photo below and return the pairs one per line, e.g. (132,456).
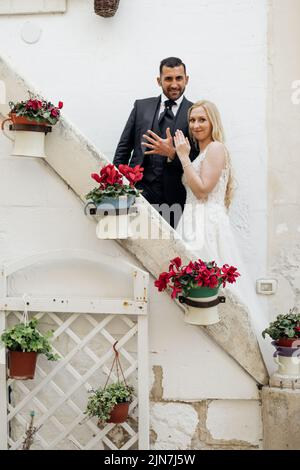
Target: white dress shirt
(174,108)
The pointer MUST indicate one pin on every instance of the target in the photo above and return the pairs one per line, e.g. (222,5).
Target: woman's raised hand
(182,146)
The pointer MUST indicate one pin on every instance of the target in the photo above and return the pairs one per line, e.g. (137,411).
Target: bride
(205,226)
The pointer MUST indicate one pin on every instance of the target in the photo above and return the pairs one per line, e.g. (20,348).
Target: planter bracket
(220,300)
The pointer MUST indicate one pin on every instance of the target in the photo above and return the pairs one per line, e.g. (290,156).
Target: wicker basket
(106,8)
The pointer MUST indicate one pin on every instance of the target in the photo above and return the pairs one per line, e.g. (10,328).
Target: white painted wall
(38,213)
(99,66)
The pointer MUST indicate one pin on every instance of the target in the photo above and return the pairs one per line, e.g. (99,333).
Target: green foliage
(27,338)
(285,326)
(97,195)
(101,401)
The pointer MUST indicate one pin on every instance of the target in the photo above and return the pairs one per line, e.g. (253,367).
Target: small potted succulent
(285,331)
(197,285)
(24,342)
(31,119)
(110,404)
(113,198)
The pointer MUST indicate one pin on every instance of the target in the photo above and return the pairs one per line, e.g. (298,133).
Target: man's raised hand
(157,146)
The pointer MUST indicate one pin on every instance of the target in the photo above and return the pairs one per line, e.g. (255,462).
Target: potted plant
(113,198)
(285,331)
(31,119)
(106,8)
(110,404)
(197,285)
(24,342)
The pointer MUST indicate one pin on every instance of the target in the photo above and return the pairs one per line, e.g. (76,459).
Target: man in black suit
(148,137)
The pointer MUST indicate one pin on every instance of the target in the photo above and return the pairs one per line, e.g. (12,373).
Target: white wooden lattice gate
(58,394)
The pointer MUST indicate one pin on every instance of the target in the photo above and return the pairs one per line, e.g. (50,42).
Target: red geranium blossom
(37,109)
(112,184)
(133,175)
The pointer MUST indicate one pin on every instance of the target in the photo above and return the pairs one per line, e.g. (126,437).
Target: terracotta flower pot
(119,413)
(28,141)
(21,365)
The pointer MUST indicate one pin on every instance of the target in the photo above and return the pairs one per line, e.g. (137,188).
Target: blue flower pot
(123,202)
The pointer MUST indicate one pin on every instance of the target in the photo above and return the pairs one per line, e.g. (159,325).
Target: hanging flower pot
(106,8)
(30,121)
(24,342)
(112,201)
(287,359)
(202,306)
(196,285)
(119,413)
(110,404)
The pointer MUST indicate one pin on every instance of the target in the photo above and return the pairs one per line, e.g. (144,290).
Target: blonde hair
(217,136)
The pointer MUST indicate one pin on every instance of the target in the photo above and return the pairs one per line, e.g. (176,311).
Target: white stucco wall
(284,142)
(99,66)
(39,213)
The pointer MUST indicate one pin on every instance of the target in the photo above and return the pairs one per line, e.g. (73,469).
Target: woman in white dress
(205,226)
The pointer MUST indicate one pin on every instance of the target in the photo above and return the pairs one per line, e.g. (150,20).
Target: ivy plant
(26,338)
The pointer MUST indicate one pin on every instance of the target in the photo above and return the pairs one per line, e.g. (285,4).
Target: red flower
(175,292)
(60,105)
(34,104)
(189,268)
(109,175)
(96,177)
(162,282)
(229,274)
(132,174)
(175,262)
(181,279)
(54,112)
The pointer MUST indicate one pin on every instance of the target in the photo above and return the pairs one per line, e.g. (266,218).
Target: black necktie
(166,118)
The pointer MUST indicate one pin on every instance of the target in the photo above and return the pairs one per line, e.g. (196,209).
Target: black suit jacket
(130,151)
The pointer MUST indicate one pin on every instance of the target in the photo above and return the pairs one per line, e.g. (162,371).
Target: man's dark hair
(171,62)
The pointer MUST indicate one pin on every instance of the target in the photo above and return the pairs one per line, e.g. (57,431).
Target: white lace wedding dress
(206,230)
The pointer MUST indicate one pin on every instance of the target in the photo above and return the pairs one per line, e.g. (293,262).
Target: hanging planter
(110,404)
(106,8)
(112,201)
(114,215)
(30,121)
(196,285)
(24,342)
(21,365)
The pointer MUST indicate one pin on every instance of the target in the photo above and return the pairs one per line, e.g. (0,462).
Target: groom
(147,139)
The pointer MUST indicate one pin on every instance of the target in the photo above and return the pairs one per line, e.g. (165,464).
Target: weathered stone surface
(238,420)
(281,418)
(72,158)
(156,393)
